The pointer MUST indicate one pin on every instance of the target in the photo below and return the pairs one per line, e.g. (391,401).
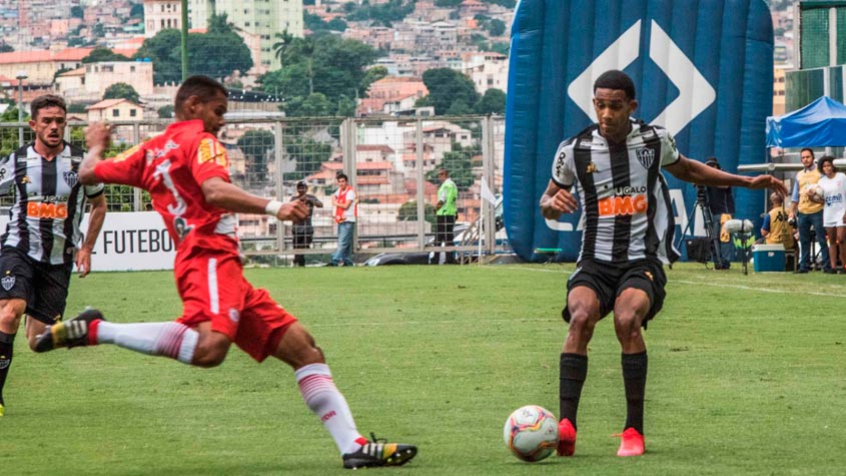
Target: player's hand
(293,211)
(83,261)
(98,135)
(562,202)
(768,181)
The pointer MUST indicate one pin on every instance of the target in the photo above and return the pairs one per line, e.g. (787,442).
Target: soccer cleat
(378,453)
(566,438)
(632,444)
(72,333)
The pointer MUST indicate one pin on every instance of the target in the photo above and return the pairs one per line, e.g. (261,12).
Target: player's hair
(342,176)
(203,87)
(809,150)
(776,199)
(829,159)
(615,79)
(45,101)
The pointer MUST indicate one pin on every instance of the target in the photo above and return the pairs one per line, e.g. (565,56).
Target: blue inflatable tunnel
(702,69)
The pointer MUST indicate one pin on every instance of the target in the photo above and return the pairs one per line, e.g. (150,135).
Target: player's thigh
(641,291)
(263,324)
(16,283)
(212,289)
(590,291)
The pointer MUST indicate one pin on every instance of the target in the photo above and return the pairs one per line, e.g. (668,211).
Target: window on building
(115,112)
(133,113)
(132,69)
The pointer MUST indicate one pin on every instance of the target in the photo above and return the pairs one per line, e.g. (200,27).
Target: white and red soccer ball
(531,433)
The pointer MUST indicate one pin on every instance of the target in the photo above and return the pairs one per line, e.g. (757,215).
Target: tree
(447,86)
(77,12)
(337,24)
(291,50)
(408,212)
(136,11)
(103,54)
(448,3)
(77,108)
(6,48)
(99,30)
(493,102)
(257,147)
(8,135)
(372,75)
(309,154)
(314,105)
(166,112)
(122,91)
(459,162)
(459,108)
(496,27)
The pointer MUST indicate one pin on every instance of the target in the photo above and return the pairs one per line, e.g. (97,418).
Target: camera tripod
(708,221)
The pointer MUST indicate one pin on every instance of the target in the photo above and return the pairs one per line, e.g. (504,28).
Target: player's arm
(557,200)
(765,227)
(696,172)
(316,202)
(97,137)
(222,194)
(95,224)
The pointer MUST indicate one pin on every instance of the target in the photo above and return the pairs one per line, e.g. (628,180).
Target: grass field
(746,376)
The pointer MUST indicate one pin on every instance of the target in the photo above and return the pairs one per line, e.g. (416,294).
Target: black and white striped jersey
(626,209)
(48,205)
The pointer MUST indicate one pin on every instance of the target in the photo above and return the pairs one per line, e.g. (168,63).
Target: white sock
(323,398)
(168,339)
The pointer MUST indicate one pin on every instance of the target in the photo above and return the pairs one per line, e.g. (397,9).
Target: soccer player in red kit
(186,171)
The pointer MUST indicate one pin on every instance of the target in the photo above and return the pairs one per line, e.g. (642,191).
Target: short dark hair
(615,79)
(713,162)
(342,175)
(45,101)
(809,150)
(203,87)
(829,159)
(301,184)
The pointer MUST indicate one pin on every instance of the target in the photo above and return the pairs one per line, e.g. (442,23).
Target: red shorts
(213,288)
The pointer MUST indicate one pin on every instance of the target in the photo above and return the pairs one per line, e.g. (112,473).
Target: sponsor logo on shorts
(8,281)
(649,275)
(58,318)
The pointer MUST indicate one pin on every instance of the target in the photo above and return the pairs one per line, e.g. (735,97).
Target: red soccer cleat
(566,438)
(632,444)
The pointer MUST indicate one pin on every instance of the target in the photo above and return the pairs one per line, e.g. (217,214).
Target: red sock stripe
(171,341)
(92,331)
(313,384)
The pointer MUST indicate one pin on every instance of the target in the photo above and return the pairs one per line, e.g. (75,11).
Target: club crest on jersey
(71,178)
(8,281)
(645,156)
(182,227)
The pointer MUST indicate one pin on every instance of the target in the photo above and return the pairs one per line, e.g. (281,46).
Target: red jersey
(172,167)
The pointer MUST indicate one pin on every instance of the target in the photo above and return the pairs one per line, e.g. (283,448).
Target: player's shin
(6,342)
(324,400)
(573,371)
(634,378)
(168,339)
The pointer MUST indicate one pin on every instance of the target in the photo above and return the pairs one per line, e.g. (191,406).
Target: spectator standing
(303,230)
(721,204)
(345,202)
(808,213)
(833,184)
(446,213)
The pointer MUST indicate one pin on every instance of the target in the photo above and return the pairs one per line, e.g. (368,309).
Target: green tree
(337,24)
(163,51)
(6,48)
(103,54)
(459,162)
(257,146)
(447,86)
(448,3)
(493,102)
(77,12)
(372,75)
(99,30)
(9,135)
(166,112)
(122,91)
(346,107)
(313,105)
(308,153)
(136,11)
(496,27)
(292,50)
(408,212)
(314,22)
(76,108)
(384,14)
(459,108)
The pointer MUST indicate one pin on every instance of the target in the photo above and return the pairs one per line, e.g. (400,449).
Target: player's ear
(633,105)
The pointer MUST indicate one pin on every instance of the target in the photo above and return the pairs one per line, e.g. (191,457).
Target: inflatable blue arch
(703,69)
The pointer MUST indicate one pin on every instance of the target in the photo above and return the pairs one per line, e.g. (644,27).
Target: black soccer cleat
(72,333)
(378,453)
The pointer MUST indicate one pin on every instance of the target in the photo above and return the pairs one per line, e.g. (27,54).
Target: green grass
(746,376)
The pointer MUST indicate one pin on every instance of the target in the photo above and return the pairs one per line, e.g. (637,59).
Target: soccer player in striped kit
(615,166)
(186,171)
(43,239)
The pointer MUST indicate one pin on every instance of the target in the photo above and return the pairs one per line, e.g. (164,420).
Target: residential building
(41,65)
(161,15)
(391,94)
(115,110)
(90,82)
(262,18)
(487,70)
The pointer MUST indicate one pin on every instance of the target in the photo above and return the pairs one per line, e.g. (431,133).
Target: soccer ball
(814,190)
(531,433)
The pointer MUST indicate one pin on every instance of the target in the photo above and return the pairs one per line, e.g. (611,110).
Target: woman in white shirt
(833,188)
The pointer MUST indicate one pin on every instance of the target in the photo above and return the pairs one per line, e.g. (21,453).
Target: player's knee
(210,351)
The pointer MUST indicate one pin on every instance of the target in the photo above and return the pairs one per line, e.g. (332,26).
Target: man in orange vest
(345,202)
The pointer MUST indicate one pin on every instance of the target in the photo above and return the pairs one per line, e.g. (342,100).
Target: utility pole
(184,40)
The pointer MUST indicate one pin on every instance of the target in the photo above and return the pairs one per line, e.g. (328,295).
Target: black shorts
(43,286)
(609,281)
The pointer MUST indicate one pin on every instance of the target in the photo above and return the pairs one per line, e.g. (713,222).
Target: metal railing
(391,163)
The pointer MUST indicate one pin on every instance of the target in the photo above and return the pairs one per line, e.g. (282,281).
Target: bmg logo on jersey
(46,210)
(624,204)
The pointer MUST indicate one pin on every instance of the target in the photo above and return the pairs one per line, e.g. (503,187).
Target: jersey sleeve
(563,166)
(127,168)
(210,160)
(766,225)
(669,152)
(7,174)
